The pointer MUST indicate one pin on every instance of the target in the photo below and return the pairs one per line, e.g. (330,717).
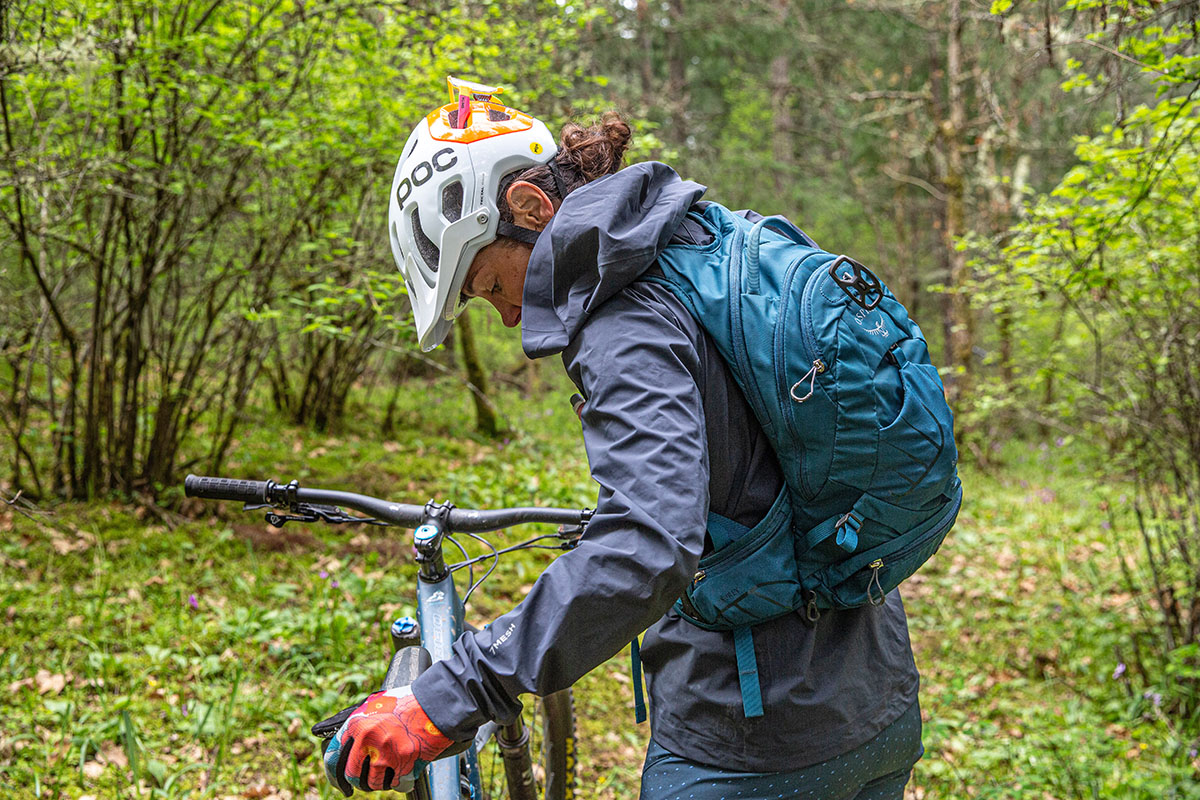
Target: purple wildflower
(1119,671)
(1060,441)
(193,602)
(1106,525)
(1154,697)
(334,584)
(323,574)
(1193,753)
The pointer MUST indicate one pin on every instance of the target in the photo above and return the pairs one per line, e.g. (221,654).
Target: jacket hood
(602,238)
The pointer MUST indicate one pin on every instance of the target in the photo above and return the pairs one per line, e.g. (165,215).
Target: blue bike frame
(440,614)
(439,609)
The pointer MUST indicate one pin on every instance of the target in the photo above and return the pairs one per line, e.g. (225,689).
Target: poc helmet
(443,203)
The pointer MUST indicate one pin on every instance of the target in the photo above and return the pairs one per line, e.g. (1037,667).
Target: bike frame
(440,610)
(440,614)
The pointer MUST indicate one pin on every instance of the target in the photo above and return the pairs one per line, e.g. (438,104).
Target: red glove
(384,744)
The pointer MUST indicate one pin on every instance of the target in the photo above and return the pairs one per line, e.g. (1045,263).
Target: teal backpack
(840,379)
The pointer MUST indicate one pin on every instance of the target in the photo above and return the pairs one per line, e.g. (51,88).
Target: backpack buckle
(858,282)
(847,531)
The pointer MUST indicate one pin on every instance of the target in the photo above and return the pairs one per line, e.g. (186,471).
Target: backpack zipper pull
(818,366)
(875,566)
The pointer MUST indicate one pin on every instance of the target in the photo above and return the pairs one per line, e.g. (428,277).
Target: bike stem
(429,537)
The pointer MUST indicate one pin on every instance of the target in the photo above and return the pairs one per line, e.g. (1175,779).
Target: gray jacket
(668,436)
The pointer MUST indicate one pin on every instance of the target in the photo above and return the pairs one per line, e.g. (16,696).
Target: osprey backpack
(840,379)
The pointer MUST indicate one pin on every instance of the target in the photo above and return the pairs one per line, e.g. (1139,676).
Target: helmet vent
(428,250)
(493,115)
(452,201)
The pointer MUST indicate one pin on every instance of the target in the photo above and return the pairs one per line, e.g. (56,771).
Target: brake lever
(311,512)
(276,520)
(570,535)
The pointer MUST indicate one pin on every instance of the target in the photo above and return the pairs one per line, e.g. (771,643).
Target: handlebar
(466,520)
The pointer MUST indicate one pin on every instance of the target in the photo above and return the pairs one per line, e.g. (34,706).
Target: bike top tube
(465,520)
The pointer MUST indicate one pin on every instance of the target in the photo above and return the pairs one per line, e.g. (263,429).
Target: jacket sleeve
(643,425)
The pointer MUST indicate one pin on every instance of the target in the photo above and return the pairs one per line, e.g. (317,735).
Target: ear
(530,206)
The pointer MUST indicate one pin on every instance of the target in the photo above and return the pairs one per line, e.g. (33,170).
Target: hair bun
(618,133)
(596,150)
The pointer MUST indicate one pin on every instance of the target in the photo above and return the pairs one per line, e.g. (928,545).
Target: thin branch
(915,181)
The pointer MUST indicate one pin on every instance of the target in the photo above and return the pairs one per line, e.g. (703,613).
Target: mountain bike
(531,759)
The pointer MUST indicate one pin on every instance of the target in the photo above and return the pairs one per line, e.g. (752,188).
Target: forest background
(194,276)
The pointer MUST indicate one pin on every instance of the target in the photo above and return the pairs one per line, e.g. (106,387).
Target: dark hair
(584,154)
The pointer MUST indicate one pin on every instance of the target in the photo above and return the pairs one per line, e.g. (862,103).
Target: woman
(557,239)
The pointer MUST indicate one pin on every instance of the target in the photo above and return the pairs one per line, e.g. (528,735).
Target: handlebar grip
(407,664)
(226,489)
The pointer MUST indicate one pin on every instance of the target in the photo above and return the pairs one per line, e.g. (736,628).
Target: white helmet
(443,210)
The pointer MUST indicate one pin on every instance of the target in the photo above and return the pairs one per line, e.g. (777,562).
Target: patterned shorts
(877,770)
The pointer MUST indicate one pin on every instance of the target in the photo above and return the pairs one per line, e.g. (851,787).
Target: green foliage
(194,202)
(1100,281)
(198,655)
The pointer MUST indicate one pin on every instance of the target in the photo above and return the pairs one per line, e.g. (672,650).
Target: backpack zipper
(939,529)
(875,566)
(738,336)
(807,337)
(818,367)
(808,343)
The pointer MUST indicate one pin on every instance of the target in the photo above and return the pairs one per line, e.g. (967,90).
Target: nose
(510,314)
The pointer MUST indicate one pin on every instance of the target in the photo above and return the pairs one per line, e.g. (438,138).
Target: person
(558,238)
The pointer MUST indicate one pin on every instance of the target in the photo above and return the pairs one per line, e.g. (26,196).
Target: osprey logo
(860,317)
(503,638)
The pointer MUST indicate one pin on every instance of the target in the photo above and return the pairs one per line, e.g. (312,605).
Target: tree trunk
(962,325)
(646,40)
(677,93)
(781,120)
(485,413)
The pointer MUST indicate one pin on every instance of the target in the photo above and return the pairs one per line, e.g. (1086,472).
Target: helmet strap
(559,183)
(512,231)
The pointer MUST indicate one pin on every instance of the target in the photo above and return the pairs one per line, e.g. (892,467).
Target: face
(498,275)
(498,272)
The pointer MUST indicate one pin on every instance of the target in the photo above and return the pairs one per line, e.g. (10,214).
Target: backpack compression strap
(639,699)
(747,664)
(722,531)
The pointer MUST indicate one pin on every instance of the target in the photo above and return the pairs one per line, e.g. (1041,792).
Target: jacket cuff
(446,705)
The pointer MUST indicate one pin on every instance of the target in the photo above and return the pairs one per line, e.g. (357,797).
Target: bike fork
(518,766)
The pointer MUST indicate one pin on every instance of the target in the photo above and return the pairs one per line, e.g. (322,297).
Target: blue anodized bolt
(405,632)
